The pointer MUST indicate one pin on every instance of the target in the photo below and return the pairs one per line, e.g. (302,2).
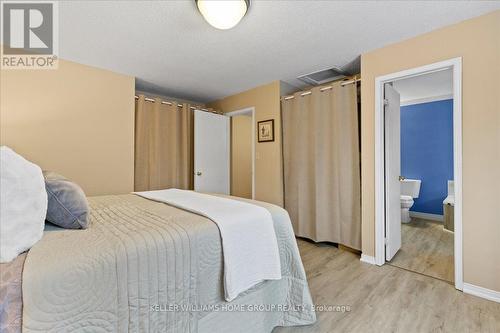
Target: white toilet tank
(410,187)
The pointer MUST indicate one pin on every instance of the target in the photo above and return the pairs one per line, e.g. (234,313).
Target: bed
(146,266)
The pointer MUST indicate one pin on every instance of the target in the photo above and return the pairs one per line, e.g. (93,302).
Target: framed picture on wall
(265,130)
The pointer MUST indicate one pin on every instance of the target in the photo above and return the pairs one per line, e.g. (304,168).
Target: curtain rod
(147,99)
(356,79)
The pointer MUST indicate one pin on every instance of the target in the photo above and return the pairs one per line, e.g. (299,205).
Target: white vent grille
(323,76)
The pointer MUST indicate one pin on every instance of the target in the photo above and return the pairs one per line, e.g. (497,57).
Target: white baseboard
(367,259)
(488,294)
(427,216)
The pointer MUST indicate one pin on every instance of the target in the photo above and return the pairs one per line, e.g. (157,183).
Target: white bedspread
(249,244)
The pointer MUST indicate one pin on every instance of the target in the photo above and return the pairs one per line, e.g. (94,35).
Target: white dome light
(223,14)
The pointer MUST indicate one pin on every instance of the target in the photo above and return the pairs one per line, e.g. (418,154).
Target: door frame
(455,64)
(237,113)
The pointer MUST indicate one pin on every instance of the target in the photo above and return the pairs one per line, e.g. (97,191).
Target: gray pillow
(67,206)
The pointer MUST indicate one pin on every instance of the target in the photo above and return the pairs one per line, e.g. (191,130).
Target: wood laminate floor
(386,298)
(426,248)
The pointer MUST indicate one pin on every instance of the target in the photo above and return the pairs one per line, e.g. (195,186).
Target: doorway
(242,153)
(389,180)
(420,111)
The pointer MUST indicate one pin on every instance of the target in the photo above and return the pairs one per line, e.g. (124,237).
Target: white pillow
(23,204)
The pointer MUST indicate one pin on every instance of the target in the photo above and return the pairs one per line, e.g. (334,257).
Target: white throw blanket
(23,204)
(249,242)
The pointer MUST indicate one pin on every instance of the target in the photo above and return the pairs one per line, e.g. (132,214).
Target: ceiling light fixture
(223,14)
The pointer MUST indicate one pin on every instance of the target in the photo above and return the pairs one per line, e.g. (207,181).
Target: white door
(211,152)
(392,172)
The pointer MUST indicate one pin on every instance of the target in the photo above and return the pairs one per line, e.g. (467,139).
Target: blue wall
(427,151)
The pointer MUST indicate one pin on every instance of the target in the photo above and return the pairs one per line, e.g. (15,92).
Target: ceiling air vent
(323,76)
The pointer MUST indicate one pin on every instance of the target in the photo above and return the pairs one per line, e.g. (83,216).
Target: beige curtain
(163,145)
(321,164)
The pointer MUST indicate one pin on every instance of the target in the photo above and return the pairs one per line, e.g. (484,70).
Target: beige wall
(477,41)
(76,120)
(268,162)
(241,156)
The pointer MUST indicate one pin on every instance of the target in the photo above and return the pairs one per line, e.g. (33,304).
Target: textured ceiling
(171,50)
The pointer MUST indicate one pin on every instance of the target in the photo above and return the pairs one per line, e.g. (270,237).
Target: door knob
(198,173)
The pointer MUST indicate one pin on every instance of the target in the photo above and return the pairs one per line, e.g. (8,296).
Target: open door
(392,171)
(211,152)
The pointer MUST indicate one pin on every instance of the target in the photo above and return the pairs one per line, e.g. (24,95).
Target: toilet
(410,189)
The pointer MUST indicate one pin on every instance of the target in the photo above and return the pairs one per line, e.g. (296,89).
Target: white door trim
(241,112)
(456,65)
